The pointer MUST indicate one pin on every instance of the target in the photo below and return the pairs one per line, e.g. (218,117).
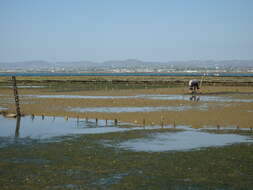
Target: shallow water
(2,108)
(49,128)
(194,98)
(152,96)
(78,96)
(182,141)
(28,130)
(24,86)
(136,109)
(113,179)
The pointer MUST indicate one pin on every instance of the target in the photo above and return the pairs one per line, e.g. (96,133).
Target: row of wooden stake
(116,122)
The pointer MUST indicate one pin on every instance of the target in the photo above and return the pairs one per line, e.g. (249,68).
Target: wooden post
(144,123)
(218,127)
(96,121)
(15,90)
(174,124)
(115,122)
(106,122)
(42,117)
(162,122)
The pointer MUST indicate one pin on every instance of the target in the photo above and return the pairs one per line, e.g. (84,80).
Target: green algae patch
(84,162)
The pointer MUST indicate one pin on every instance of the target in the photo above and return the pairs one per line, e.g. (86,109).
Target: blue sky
(151,30)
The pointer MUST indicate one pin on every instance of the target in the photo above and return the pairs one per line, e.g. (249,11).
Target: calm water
(28,129)
(2,108)
(182,141)
(20,86)
(48,127)
(137,109)
(202,98)
(195,98)
(126,74)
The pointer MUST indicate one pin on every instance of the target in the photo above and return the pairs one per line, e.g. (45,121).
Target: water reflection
(194,98)
(29,130)
(37,128)
(18,119)
(137,109)
(204,98)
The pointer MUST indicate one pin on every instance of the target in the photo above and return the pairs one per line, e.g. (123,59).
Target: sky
(149,30)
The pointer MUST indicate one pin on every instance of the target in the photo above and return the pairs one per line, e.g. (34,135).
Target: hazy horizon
(100,30)
(127,59)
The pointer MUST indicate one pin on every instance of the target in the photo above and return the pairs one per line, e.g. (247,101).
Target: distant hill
(131,64)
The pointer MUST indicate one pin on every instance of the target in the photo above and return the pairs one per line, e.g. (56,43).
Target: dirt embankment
(130,80)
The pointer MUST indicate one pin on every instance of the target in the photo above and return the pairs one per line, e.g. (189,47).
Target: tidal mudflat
(55,153)
(229,108)
(68,138)
(63,153)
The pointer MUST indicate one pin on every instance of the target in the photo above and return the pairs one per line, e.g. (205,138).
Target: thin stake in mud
(96,121)
(15,90)
(218,127)
(115,122)
(144,123)
(162,122)
(106,122)
(174,124)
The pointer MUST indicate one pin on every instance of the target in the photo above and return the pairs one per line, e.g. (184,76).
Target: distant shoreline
(120,74)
